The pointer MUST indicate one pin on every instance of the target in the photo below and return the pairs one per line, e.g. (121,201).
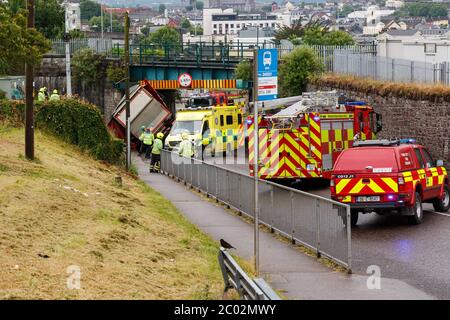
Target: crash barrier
(318,223)
(235,277)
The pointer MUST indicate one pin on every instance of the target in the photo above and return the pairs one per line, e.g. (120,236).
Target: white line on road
(441,213)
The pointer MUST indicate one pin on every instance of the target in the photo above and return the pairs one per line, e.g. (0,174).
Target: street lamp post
(29,109)
(255,159)
(67,40)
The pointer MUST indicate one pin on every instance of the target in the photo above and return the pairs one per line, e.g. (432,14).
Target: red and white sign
(185,80)
(267,86)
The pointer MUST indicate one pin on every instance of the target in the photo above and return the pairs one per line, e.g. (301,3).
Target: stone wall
(426,121)
(52,74)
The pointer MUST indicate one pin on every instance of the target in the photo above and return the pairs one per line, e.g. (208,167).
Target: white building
(397,4)
(423,46)
(228,22)
(73,15)
(255,35)
(370,14)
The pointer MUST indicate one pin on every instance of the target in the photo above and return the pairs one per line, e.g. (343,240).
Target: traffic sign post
(267,74)
(185,80)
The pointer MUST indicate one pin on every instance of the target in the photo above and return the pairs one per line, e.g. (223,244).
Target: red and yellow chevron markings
(196,84)
(366,186)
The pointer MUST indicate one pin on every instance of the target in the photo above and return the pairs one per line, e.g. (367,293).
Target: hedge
(413,91)
(71,120)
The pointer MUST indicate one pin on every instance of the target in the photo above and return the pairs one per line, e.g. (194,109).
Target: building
(228,22)
(255,35)
(73,16)
(430,46)
(237,5)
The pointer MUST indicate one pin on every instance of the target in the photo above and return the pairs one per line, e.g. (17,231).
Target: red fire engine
(305,139)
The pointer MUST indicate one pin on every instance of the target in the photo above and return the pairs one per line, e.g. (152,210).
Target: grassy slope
(129,242)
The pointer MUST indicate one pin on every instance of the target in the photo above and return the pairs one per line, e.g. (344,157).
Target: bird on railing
(226,245)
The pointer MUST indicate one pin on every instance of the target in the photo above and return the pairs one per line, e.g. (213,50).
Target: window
(239,118)
(419,156)
(221,121)
(232,25)
(428,158)
(238,26)
(429,47)
(215,25)
(361,121)
(229,120)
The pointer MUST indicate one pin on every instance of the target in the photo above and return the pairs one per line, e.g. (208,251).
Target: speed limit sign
(185,80)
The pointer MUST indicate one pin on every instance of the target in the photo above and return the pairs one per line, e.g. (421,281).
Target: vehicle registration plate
(368,199)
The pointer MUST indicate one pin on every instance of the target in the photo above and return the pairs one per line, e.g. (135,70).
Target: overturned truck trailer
(146,109)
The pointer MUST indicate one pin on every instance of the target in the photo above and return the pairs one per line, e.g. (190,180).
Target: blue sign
(267,74)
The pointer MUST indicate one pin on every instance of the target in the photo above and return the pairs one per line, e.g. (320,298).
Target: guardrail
(318,223)
(235,277)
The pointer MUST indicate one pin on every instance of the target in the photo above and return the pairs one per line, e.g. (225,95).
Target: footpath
(295,274)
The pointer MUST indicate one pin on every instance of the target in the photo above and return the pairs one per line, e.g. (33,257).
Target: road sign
(185,80)
(267,74)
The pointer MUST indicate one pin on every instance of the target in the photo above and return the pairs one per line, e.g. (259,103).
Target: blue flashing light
(249,121)
(408,140)
(316,118)
(356,103)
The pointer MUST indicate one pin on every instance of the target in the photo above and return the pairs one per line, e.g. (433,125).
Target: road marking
(442,214)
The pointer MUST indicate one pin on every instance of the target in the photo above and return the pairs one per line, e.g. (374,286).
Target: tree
(89,9)
(296,69)
(346,9)
(162,8)
(19,45)
(49,15)
(50,18)
(87,66)
(185,23)
(199,5)
(244,71)
(96,24)
(317,36)
(165,36)
(189,8)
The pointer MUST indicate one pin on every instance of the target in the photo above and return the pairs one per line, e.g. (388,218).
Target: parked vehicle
(305,139)
(390,177)
(212,129)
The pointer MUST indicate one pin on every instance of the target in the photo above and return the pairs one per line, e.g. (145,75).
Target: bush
(71,120)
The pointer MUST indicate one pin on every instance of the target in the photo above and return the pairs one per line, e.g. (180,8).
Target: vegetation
(71,120)
(165,36)
(89,9)
(18,45)
(162,8)
(115,73)
(432,10)
(346,10)
(296,69)
(316,36)
(66,209)
(199,5)
(87,66)
(49,15)
(96,24)
(244,71)
(413,91)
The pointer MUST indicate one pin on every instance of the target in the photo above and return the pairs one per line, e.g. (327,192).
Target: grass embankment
(66,209)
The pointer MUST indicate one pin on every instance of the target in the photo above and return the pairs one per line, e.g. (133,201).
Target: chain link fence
(313,221)
(389,69)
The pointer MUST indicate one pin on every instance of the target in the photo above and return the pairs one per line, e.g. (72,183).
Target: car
(389,177)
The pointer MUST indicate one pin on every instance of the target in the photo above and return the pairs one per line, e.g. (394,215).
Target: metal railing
(389,69)
(235,277)
(318,223)
(98,45)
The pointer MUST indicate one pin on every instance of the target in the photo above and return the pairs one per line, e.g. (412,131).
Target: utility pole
(29,112)
(127,88)
(255,159)
(67,40)
(101,15)
(110,19)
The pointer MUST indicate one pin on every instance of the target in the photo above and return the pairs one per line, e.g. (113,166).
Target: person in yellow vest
(55,96)
(140,148)
(185,146)
(148,139)
(155,163)
(41,95)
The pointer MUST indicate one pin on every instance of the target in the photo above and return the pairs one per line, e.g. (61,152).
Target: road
(418,255)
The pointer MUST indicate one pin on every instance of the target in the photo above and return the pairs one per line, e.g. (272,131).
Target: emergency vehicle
(215,99)
(305,139)
(212,129)
(390,176)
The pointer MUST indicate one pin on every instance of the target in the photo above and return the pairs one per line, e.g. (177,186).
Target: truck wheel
(416,210)
(443,204)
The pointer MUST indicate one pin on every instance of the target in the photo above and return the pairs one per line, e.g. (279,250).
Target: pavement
(293,273)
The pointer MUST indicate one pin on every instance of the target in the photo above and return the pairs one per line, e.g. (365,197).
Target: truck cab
(389,176)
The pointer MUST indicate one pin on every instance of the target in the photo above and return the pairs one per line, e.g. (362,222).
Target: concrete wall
(52,74)
(426,121)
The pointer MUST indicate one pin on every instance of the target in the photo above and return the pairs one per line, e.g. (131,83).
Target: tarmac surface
(295,274)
